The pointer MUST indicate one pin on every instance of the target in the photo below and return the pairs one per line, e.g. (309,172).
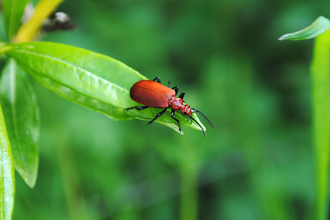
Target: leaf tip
(283,37)
(319,26)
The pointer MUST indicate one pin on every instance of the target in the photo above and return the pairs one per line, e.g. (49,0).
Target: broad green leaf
(13,11)
(22,117)
(7,174)
(320,77)
(319,26)
(42,10)
(93,80)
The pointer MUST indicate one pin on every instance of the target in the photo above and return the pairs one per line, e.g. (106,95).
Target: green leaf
(320,77)
(22,117)
(93,80)
(7,174)
(319,26)
(13,11)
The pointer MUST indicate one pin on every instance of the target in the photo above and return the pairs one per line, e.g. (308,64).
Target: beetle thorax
(175,103)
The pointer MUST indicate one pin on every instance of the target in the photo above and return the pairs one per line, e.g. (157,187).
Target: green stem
(189,193)
(70,177)
(321,120)
(29,29)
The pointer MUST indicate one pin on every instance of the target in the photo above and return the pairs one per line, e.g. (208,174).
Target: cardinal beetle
(151,93)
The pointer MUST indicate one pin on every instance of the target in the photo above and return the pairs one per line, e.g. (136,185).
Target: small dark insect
(153,94)
(58,21)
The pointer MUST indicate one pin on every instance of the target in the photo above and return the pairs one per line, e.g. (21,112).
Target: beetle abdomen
(151,93)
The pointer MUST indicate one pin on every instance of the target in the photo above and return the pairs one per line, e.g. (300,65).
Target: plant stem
(189,193)
(29,29)
(70,177)
(321,120)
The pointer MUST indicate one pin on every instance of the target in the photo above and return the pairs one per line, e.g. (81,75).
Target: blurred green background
(257,163)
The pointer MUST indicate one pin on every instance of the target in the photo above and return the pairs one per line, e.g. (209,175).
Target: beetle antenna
(198,125)
(196,110)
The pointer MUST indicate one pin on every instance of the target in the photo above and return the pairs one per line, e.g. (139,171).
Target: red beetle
(153,94)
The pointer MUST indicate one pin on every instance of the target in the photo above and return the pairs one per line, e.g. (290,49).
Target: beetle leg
(182,95)
(141,107)
(172,115)
(176,89)
(198,125)
(159,114)
(137,108)
(157,79)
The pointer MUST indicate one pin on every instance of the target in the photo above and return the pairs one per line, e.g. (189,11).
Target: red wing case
(151,93)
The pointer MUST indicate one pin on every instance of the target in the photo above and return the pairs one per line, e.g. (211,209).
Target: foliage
(257,164)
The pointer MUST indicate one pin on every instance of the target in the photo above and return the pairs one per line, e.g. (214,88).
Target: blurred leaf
(93,80)
(13,11)
(42,11)
(7,174)
(319,26)
(321,118)
(22,116)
